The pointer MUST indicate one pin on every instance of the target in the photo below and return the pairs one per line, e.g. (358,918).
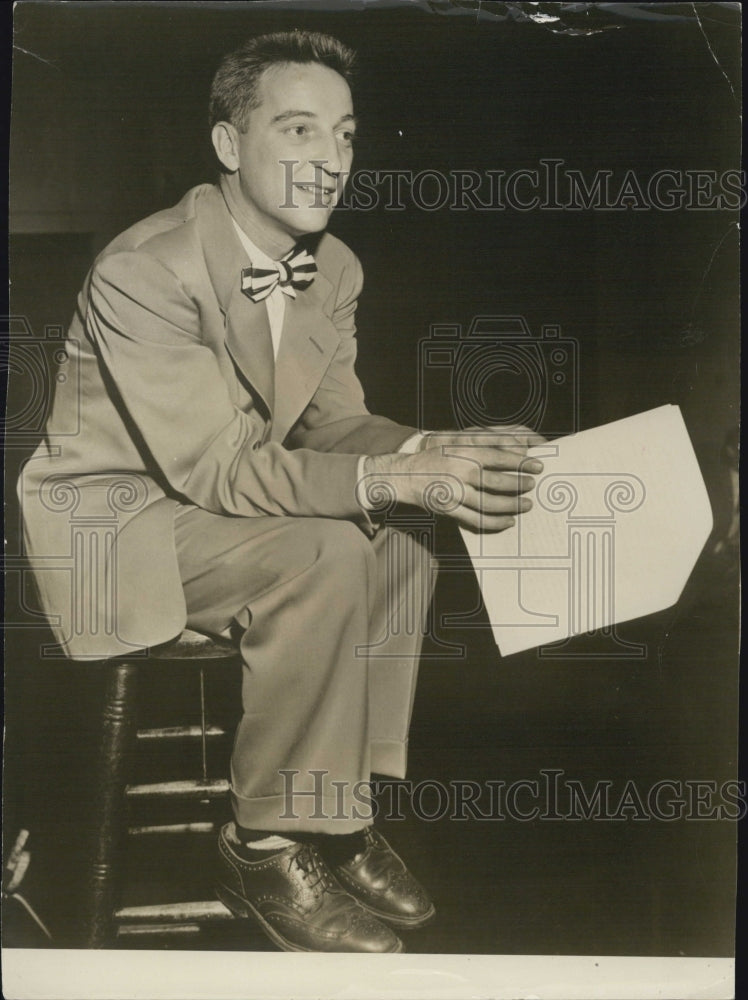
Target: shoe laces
(313,869)
(369,841)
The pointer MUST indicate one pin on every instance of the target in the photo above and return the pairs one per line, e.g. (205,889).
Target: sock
(273,842)
(256,844)
(337,848)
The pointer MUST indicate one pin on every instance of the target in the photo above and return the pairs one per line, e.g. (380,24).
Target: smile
(322,195)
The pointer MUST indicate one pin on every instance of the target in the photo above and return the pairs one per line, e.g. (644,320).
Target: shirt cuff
(361,497)
(411,445)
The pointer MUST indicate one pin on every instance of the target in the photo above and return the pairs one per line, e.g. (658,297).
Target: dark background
(110,123)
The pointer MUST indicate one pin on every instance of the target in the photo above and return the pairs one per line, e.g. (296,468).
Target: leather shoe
(297,901)
(379,880)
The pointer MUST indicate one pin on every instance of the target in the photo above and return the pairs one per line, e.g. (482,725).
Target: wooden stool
(113,794)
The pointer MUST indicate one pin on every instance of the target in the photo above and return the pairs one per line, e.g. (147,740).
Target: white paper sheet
(619,517)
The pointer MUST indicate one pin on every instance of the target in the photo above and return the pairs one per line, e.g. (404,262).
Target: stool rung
(156,930)
(180,733)
(212,789)
(140,831)
(203,911)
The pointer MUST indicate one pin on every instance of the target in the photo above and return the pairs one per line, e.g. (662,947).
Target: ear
(226,144)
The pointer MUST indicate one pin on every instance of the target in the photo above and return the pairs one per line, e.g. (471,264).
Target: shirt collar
(257,257)
(274,250)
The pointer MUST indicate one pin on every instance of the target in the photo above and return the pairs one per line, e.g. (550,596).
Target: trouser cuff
(389,757)
(290,813)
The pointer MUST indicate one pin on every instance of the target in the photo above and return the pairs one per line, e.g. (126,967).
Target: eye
(348,137)
(297,131)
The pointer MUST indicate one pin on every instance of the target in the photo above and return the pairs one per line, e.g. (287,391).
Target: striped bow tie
(293,272)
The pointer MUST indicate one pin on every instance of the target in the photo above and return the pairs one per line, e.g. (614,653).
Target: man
(219,468)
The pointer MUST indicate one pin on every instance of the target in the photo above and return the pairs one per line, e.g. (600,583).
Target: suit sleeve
(336,418)
(146,330)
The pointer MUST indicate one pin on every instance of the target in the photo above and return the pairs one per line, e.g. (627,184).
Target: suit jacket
(170,393)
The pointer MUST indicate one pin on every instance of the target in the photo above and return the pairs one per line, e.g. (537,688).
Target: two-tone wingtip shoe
(297,901)
(379,880)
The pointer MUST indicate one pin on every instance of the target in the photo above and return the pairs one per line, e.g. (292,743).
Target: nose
(332,159)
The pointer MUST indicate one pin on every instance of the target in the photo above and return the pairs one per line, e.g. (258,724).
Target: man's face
(296,152)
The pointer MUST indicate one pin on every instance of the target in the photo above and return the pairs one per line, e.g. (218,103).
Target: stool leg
(203,725)
(108,813)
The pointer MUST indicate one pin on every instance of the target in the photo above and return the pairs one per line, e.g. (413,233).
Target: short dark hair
(235,86)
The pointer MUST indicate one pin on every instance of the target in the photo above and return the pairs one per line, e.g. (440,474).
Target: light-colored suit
(176,397)
(184,469)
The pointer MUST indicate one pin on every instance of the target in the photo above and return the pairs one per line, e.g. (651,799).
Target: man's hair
(235,90)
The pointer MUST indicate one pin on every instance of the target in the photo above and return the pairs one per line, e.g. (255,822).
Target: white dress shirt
(276,301)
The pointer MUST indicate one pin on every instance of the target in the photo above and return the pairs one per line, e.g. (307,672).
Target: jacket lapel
(249,343)
(309,338)
(308,344)
(247,329)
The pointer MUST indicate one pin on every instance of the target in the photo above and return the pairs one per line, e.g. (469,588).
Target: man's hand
(509,436)
(476,477)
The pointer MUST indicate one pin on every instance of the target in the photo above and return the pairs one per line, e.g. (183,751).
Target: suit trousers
(331,625)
